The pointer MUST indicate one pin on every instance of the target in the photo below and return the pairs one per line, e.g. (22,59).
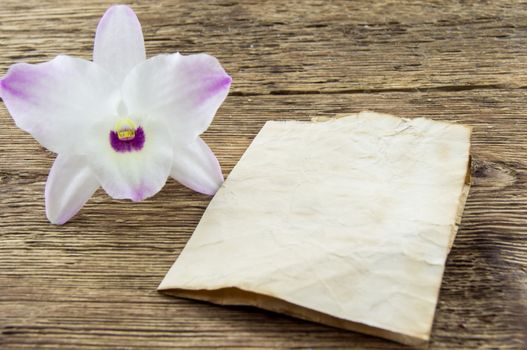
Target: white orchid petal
(184,91)
(196,167)
(136,173)
(57,100)
(119,44)
(70,184)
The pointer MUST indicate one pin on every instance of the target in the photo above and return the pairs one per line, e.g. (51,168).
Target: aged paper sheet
(347,222)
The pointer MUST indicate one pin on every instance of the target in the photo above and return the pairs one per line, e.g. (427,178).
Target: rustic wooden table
(92,282)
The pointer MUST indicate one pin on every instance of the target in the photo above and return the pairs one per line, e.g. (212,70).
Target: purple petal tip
(220,84)
(139,194)
(20,78)
(216,85)
(226,81)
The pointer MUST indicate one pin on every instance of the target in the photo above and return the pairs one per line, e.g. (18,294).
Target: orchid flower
(122,122)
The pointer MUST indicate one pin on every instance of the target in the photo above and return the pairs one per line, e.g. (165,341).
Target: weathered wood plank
(91,283)
(304,46)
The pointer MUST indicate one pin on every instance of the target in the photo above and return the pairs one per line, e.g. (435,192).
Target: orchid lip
(126,136)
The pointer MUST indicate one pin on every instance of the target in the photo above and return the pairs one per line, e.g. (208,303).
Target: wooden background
(92,283)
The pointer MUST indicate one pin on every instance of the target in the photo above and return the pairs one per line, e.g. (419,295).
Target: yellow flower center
(125,128)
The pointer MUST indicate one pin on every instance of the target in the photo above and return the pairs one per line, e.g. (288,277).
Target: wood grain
(91,283)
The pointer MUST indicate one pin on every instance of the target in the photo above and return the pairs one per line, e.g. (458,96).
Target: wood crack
(445,88)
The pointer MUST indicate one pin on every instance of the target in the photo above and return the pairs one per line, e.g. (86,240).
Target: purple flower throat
(127,140)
